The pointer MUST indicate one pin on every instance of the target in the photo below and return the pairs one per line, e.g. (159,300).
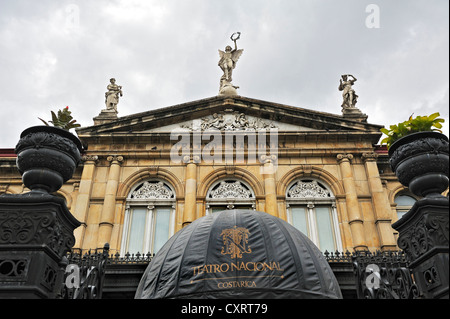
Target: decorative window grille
(149,217)
(229,194)
(153,190)
(311,208)
(308,189)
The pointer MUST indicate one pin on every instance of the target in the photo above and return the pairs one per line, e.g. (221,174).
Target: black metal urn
(36,228)
(420,161)
(47,157)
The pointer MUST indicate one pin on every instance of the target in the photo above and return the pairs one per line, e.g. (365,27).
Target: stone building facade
(147,175)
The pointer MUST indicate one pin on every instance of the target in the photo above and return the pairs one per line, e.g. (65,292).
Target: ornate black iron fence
(84,274)
(384,275)
(376,275)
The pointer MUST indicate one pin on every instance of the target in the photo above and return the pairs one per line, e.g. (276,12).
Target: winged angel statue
(228,60)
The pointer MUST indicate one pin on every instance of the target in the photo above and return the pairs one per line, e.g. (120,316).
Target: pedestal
(424,236)
(36,232)
(227,89)
(105,116)
(354,113)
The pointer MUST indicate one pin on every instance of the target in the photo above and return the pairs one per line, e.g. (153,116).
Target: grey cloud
(166,52)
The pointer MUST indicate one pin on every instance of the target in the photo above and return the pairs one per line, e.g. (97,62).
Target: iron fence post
(424,235)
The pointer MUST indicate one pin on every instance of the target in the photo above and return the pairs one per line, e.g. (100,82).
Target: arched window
(311,208)
(404,203)
(229,194)
(149,217)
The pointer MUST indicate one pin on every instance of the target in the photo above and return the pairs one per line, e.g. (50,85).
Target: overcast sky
(59,53)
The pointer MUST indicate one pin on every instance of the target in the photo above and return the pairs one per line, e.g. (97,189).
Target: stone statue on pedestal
(227,63)
(349,96)
(112,96)
(111,100)
(349,109)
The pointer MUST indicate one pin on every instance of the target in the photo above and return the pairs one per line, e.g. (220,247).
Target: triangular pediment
(228,120)
(230,113)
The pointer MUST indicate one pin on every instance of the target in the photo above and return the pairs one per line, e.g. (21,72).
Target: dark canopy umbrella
(238,254)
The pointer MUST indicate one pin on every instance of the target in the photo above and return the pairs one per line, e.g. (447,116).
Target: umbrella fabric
(238,254)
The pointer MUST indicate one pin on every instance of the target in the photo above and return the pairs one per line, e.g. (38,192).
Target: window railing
(138,258)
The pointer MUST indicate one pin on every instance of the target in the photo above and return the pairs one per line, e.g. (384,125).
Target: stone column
(109,202)
(380,201)
(351,200)
(190,204)
(268,172)
(83,198)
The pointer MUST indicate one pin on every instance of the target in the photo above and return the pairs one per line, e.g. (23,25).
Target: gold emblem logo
(235,241)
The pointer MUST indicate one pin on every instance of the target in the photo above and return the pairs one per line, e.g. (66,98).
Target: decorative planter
(36,228)
(420,161)
(47,157)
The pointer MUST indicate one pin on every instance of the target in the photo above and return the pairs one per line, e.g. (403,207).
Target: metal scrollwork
(230,189)
(308,189)
(84,275)
(384,275)
(153,190)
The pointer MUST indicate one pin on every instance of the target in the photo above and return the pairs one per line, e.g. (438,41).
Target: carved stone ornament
(230,189)
(153,190)
(226,121)
(90,158)
(370,156)
(115,159)
(306,189)
(264,159)
(344,157)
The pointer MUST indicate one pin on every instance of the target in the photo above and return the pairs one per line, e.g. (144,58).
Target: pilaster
(83,198)
(352,204)
(268,172)
(190,204)
(109,202)
(380,201)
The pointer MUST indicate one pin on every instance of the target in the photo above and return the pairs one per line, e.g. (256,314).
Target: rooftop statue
(112,96)
(349,96)
(227,63)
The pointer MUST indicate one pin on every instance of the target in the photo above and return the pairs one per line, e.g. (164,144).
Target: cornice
(200,108)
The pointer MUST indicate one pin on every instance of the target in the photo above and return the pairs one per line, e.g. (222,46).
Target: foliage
(412,125)
(63,120)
